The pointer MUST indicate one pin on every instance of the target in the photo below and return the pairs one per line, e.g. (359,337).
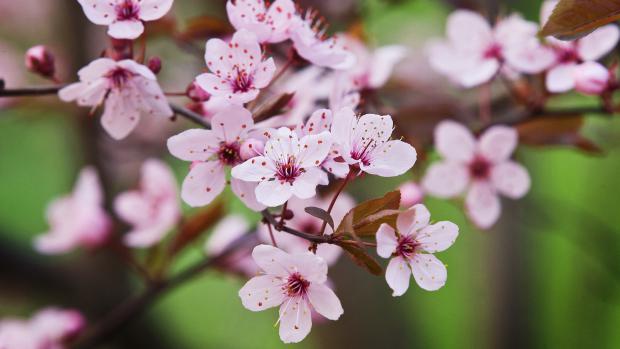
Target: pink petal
(245,50)
(325,301)
(295,320)
(342,127)
(264,73)
(313,149)
(386,241)
(256,169)
(482,205)
(391,159)
(243,15)
(215,85)
(151,10)
(282,13)
(454,141)
(204,182)
(319,121)
(511,179)
(137,68)
(410,194)
(498,143)
(598,43)
(232,124)
(397,276)
(469,30)
(428,271)
(273,261)
(216,57)
(121,116)
(245,191)
(373,126)
(312,267)
(478,73)
(561,78)
(262,292)
(158,179)
(591,78)
(438,237)
(87,190)
(194,145)
(129,29)
(446,179)
(100,12)
(227,231)
(384,59)
(96,69)
(530,57)
(304,186)
(412,220)
(273,193)
(132,208)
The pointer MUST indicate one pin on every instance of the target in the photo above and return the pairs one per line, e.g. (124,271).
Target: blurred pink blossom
(47,329)
(411,193)
(270,22)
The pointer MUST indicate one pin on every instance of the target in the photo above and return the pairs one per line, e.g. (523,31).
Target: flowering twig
(190,115)
(319,239)
(344,183)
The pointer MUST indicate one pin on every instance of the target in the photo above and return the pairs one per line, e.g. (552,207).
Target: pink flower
(128,89)
(474,52)
(372,68)
(40,60)
(77,219)
(410,194)
(365,142)
(289,166)
(311,43)
(211,151)
(307,223)
(296,283)
(411,247)
(481,168)
(270,22)
(320,121)
(124,17)
(592,78)
(237,68)
(224,234)
(47,329)
(153,209)
(569,71)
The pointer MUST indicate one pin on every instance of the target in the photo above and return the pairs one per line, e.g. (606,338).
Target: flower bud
(591,78)
(251,148)
(196,93)
(410,194)
(40,61)
(154,64)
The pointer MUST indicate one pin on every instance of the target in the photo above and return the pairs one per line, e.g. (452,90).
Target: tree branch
(190,115)
(319,239)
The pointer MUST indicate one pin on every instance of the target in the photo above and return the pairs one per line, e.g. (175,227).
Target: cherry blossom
(474,51)
(296,283)
(47,329)
(592,78)
(124,17)
(237,69)
(153,209)
(320,121)
(40,60)
(289,166)
(411,193)
(481,168)
(411,247)
(270,22)
(224,235)
(127,89)
(77,219)
(211,151)
(307,223)
(365,142)
(569,70)
(312,44)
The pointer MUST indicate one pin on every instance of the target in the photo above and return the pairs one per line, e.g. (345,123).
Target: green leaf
(575,18)
(365,218)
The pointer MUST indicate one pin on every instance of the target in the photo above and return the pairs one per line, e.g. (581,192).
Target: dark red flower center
(127,10)
(229,153)
(493,51)
(119,77)
(361,154)
(480,168)
(288,171)
(568,55)
(406,246)
(296,285)
(243,81)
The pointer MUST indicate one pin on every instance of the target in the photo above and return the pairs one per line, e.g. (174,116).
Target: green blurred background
(548,275)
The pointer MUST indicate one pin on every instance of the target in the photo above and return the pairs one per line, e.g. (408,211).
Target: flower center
(493,51)
(243,81)
(406,246)
(296,285)
(127,10)
(288,170)
(119,77)
(229,153)
(567,55)
(362,154)
(480,168)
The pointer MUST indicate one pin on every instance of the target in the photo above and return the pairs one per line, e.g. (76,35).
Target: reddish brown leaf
(365,218)
(575,18)
(196,225)
(556,131)
(204,27)
(320,214)
(361,257)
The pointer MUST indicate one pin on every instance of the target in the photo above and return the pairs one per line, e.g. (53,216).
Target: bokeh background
(548,275)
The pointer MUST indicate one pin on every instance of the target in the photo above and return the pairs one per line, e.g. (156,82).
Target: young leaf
(365,218)
(556,131)
(360,257)
(320,214)
(575,18)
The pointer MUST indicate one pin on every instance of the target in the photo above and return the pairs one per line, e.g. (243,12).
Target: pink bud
(591,78)
(40,61)
(410,194)
(196,93)
(251,148)
(154,64)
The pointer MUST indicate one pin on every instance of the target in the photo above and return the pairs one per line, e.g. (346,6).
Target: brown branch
(190,115)
(319,239)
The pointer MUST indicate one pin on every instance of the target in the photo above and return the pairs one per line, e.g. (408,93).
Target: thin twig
(319,239)
(190,115)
